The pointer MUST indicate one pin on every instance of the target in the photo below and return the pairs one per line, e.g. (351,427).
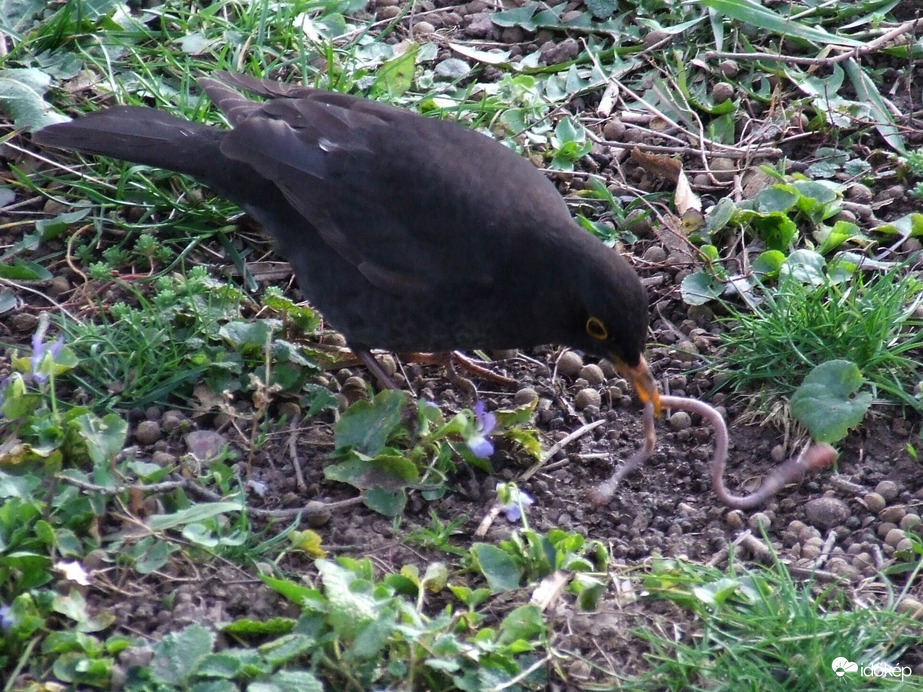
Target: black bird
(408,233)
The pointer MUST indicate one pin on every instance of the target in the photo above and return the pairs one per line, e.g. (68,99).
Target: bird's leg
(453,359)
(384,380)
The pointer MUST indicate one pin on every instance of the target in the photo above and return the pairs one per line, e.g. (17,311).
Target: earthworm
(812,460)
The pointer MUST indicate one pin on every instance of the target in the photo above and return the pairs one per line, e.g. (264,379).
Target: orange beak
(642,380)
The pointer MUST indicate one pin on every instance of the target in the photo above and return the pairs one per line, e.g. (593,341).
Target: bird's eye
(596,329)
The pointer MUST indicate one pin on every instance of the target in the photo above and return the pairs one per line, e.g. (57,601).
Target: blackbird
(407,233)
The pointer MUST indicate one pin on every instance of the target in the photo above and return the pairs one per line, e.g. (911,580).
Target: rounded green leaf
(829,403)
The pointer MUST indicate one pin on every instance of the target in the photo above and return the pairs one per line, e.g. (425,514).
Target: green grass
(872,320)
(759,629)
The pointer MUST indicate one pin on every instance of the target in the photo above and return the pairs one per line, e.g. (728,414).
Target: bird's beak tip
(643,381)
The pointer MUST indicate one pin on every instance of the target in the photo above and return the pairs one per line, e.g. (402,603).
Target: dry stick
(812,460)
(910,27)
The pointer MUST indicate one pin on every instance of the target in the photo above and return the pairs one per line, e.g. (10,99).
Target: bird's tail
(140,135)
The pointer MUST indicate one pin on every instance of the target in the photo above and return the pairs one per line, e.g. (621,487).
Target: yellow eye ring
(596,329)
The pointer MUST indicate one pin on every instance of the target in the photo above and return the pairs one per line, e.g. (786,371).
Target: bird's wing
(400,197)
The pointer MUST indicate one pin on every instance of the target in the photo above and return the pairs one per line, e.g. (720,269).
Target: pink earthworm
(812,460)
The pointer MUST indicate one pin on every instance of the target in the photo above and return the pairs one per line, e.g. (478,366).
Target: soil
(667,508)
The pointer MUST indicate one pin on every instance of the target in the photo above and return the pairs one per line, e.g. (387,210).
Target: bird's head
(615,320)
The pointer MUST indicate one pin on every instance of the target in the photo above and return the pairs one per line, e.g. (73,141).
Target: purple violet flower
(6,618)
(485,422)
(517,500)
(40,350)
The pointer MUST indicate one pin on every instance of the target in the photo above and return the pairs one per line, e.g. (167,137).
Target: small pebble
(723,169)
(59,286)
(908,605)
(904,545)
(655,255)
(826,512)
(893,514)
(729,68)
(887,489)
(593,374)
(894,536)
(884,528)
(608,369)
(862,561)
(857,192)
(355,388)
(808,533)
(524,396)
(686,351)
(423,28)
(163,458)
(387,363)
(569,364)
(759,521)
(147,432)
(586,397)
(840,567)
(778,454)
(810,551)
(334,339)
(735,519)
(317,514)
(722,91)
(614,130)
(875,502)
(680,421)
(910,522)
(172,420)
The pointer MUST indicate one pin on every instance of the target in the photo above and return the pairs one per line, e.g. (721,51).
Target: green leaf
(777,198)
(753,13)
(908,225)
(367,425)
(105,437)
(294,592)
(352,607)
(523,623)
(805,266)
(23,270)
(177,656)
(192,515)
(720,215)
(497,566)
(284,649)
(387,471)
(396,76)
(22,96)
(776,229)
(387,502)
(288,681)
(829,403)
(275,627)
(602,9)
(868,94)
(836,236)
(698,288)
(254,335)
(768,263)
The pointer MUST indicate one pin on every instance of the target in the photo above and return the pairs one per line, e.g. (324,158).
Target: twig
(907,27)
(558,446)
(315,507)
